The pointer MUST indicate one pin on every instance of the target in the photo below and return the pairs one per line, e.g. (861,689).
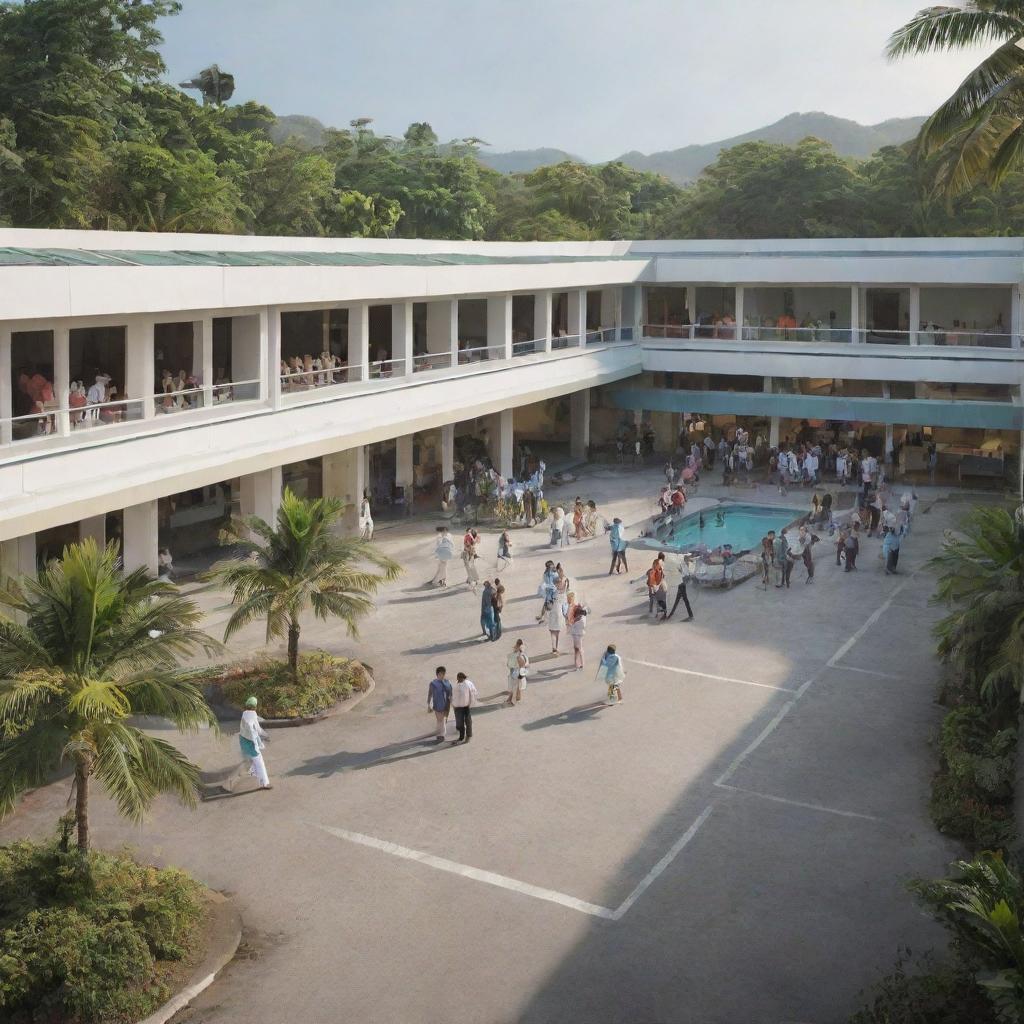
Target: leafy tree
(979,130)
(96,645)
(981,575)
(297,565)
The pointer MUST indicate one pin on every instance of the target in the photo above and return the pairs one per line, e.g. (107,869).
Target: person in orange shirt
(655,577)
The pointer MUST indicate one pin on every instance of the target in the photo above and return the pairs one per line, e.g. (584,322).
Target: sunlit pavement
(731,844)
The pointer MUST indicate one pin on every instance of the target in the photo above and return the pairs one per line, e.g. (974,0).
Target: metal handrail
(444,359)
(330,372)
(469,353)
(395,367)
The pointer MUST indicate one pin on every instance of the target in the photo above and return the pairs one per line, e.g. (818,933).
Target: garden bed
(326,686)
(95,940)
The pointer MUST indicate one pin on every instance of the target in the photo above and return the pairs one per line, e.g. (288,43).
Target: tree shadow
(325,766)
(452,645)
(427,593)
(580,713)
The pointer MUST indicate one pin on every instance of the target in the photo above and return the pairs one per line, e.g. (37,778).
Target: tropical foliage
(301,563)
(978,133)
(88,646)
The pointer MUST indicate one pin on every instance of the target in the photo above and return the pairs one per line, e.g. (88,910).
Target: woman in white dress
(365,518)
(518,669)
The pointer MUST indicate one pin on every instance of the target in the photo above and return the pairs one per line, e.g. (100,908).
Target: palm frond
(27,760)
(99,699)
(168,695)
(950,28)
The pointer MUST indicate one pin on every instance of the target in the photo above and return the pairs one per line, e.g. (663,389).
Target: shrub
(89,939)
(323,681)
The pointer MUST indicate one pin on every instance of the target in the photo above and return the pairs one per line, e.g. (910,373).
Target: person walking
(784,552)
(685,569)
(559,525)
(464,696)
(444,552)
(767,557)
(546,590)
(470,555)
(618,545)
(891,551)
(554,616)
(851,547)
(654,577)
(487,624)
(251,740)
(807,541)
(365,518)
(611,671)
(504,551)
(439,700)
(576,620)
(518,669)
(499,606)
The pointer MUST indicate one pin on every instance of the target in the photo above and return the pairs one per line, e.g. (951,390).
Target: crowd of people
(300,373)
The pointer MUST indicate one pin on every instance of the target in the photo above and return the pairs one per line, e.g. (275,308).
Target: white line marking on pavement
(525,888)
(490,877)
(871,620)
(866,671)
(796,803)
(762,736)
(708,675)
(658,868)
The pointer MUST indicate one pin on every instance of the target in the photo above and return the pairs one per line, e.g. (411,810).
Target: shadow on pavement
(580,713)
(344,760)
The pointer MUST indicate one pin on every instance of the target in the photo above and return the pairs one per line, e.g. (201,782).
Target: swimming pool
(742,526)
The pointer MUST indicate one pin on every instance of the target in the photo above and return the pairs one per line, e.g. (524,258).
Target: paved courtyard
(731,844)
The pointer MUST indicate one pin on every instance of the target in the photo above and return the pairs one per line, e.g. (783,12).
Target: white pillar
(6,387)
(887,451)
(401,337)
(344,478)
(773,432)
(62,376)
(579,423)
(739,312)
(506,443)
(499,326)
(610,311)
(256,354)
(855,324)
(139,542)
(691,308)
(631,311)
(447,452)
(915,312)
(18,557)
(578,315)
(140,367)
(443,329)
(1015,322)
(260,494)
(359,340)
(94,527)
(404,471)
(202,358)
(542,320)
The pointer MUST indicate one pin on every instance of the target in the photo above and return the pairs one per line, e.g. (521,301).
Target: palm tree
(978,133)
(92,646)
(981,574)
(301,563)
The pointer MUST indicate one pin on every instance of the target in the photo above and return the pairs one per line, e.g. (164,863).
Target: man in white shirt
(811,467)
(464,696)
(97,394)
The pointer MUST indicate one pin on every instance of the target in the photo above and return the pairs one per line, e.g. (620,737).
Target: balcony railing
(431,361)
(479,353)
(832,335)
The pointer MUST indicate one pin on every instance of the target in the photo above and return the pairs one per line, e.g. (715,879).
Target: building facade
(151,385)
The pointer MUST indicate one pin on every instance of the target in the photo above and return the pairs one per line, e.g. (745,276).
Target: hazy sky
(595,77)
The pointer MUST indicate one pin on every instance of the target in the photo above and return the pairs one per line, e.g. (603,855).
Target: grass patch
(94,940)
(323,681)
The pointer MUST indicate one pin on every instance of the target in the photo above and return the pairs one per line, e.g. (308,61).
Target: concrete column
(448,451)
(270,342)
(542,320)
(18,557)
(578,315)
(202,357)
(505,462)
(739,312)
(499,326)
(94,527)
(1015,322)
(260,494)
(140,366)
(443,329)
(325,330)
(579,418)
(401,338)
(62,376)
(691,308)
(404,471)
(139,543)
(344,478)
(6,387)
(631,311)
(359,340)
(855,322)
(887,451)
(915,312)
(610,317)
(773,432)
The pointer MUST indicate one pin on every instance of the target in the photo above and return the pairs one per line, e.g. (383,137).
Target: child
(612,672)
(505,549)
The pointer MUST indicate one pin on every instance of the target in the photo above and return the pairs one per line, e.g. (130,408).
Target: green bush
(323,681)
(940,994)
(89,940)
(972,793)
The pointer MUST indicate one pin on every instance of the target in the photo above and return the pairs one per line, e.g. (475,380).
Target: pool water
(742,526)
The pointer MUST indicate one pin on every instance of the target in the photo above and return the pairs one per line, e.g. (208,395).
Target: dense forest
(92,137)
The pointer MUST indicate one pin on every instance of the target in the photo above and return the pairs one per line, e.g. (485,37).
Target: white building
(893,342)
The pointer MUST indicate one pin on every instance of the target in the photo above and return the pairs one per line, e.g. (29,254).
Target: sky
(594,77)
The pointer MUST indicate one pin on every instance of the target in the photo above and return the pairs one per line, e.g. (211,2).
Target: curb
(226,931)
(225,713)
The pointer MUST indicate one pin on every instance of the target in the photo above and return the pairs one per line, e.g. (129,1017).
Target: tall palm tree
(978,133)
(93,645)
(300,563)
(981,574)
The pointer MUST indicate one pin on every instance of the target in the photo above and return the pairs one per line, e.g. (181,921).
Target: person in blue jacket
(618,543)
